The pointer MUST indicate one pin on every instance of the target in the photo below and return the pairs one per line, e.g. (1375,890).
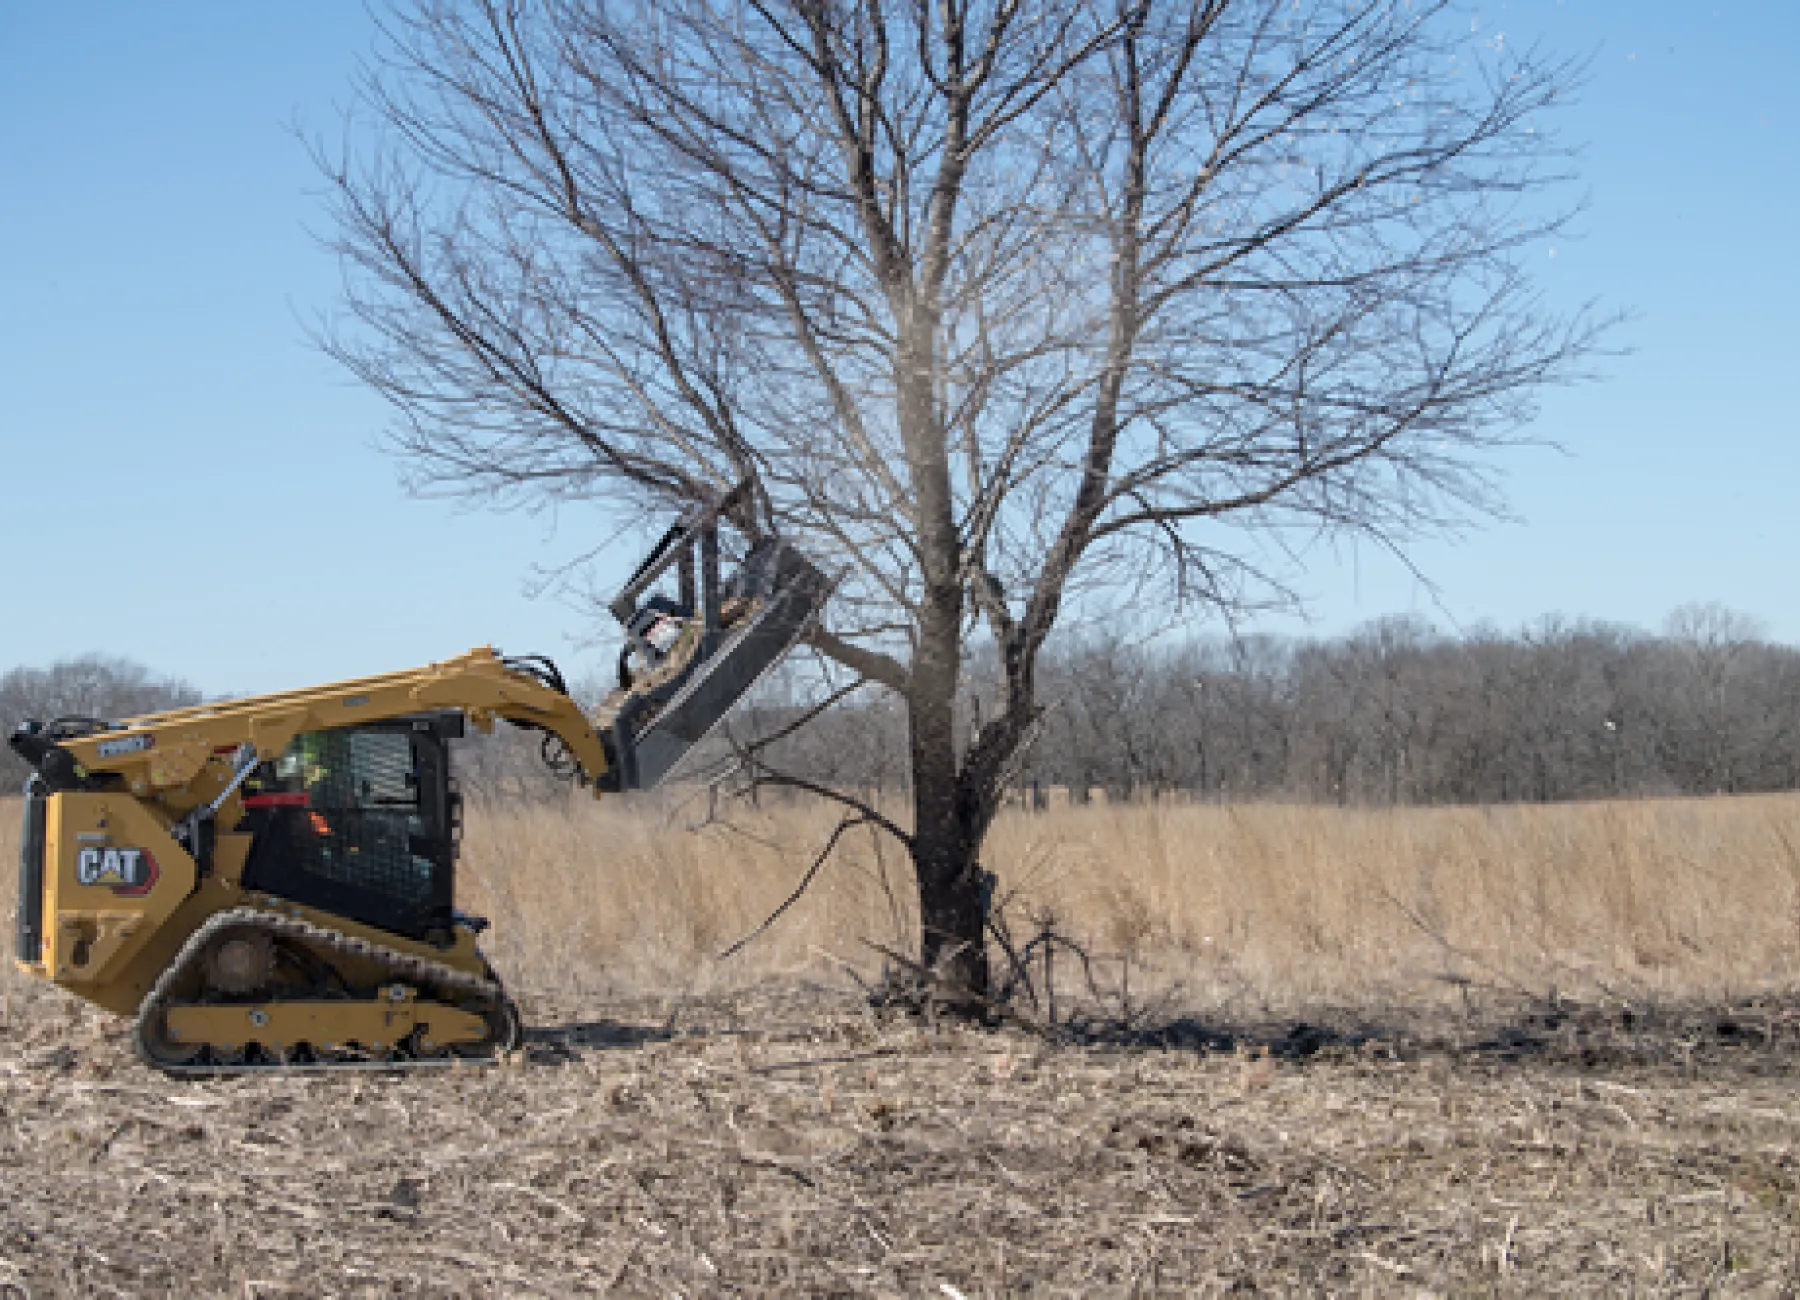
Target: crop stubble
(680,1124)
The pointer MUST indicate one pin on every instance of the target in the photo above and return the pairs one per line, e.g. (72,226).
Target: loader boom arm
(168,757)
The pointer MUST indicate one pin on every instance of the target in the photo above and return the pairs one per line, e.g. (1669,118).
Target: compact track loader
(268,883)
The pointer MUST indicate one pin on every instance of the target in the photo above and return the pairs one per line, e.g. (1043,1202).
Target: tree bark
(946,832)
(947,825)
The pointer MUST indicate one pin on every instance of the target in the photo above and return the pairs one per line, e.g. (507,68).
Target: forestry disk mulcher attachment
(269,882)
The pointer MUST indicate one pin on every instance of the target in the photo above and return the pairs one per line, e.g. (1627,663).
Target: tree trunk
(947,826)
(953,908)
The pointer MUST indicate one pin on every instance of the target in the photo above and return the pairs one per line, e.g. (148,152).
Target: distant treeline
(1393,713)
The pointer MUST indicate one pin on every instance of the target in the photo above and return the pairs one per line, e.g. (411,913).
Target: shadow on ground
(1763,1035)
(1760,1036)
(554,1044)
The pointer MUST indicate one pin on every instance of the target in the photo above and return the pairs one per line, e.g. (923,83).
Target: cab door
(355,821)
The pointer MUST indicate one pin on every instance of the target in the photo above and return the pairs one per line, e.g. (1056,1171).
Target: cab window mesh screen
(344,807)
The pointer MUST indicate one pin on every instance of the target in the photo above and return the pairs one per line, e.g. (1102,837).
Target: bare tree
(1719,654)
(1013,309)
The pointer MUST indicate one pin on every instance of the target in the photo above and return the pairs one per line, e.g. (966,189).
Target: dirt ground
(788,1140)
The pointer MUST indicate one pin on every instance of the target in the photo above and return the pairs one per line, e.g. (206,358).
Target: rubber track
(290,927)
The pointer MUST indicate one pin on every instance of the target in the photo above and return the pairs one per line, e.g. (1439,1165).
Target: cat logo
(126,871)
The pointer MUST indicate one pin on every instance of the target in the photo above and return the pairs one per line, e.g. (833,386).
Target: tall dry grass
(1284,904)
(1267,905)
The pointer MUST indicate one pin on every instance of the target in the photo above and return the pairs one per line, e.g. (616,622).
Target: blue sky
(188,482)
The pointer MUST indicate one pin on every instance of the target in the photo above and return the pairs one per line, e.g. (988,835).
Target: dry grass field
(1255,909)
(1512,1051)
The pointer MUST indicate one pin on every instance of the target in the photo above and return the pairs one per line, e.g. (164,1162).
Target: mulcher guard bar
(654,730)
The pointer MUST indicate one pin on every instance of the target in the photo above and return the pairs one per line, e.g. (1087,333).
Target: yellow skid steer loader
(269,883)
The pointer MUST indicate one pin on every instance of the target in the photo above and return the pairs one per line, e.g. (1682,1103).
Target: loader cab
(361,822)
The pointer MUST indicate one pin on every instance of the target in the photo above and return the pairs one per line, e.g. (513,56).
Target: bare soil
(786,1139)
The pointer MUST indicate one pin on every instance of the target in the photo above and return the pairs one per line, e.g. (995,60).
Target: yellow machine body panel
(380,1025)
(113,878)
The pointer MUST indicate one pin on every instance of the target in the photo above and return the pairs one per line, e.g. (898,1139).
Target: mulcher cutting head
(732,632)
